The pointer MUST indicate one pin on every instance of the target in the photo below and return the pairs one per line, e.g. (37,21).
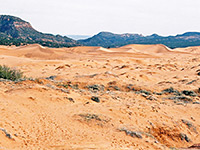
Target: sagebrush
(9,73)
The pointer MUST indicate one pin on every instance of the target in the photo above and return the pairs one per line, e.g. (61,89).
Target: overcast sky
(88,17)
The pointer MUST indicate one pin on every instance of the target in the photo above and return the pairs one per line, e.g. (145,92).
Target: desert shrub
(171,90)
(10,74)
(189,93)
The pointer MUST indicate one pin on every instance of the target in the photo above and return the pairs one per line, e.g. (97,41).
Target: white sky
(88,17)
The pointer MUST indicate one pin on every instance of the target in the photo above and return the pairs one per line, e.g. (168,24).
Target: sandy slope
(194,49)
(58,113)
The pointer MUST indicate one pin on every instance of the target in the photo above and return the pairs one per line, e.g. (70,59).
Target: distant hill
(108,39)
(78,37)
(15,31)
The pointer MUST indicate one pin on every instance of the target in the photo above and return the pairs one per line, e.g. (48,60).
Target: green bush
(10,74)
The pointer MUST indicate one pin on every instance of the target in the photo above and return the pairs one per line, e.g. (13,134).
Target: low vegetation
(10,74)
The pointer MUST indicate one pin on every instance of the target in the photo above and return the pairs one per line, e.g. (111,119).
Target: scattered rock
(70,99)
(60,67)
(6,133)
(149,97)
(180,98)
(56,88)
(189,93)
(93,75)
(110,73)
(191,82)
(196,103)
(132,133)
(156,142)
(112,83)
(96,87)
(114,88)
(173,148)
(3,80)
(184,137)
(63,90)
(130,87)
(124,66)
(96,99)
(89,117)
(74,86)
(144,92)
(157,93)
(144,95)
(51,78)
(198,70)
(171,90)
(135,134)
(189,125)
(195,146)
(180,104)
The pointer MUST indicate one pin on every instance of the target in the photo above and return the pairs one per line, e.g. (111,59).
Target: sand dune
(34,51)
(193,50)
(39,52)
(142,97)
(159,48)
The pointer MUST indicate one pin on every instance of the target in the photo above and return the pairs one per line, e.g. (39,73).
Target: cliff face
(14,30)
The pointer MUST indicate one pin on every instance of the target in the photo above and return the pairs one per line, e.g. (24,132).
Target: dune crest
(158,48)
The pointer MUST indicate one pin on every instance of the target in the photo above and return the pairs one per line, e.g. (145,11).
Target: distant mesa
(108,39)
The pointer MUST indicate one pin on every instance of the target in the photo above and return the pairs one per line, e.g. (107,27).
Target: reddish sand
(58,113)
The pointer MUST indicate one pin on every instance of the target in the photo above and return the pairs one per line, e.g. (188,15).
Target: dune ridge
(40,52)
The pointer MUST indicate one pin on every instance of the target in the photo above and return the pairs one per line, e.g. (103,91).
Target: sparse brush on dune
(10,74)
